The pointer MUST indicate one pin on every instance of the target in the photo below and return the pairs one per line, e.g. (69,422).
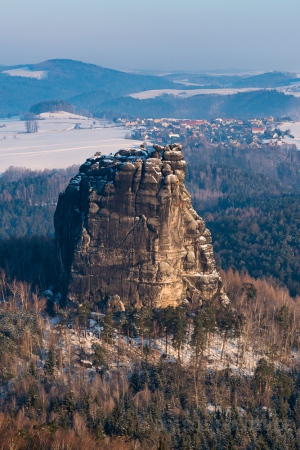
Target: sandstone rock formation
(125,226)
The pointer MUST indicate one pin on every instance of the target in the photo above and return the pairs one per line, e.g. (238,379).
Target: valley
(62,139)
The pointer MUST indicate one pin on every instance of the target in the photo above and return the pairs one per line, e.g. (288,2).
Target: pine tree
(32,369)
(33,399)
(230,325)
(142,320)
(199,336)
(99,357)
(69,402)
(100,432)
(108,328)
(179,329)
(264,376)
(168,315)
(50,362)
(83,314)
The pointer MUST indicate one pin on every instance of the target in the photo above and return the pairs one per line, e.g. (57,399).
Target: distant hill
(64,79)
(243,105)
(52,106)
(264,80)
(91,101)
(104,92)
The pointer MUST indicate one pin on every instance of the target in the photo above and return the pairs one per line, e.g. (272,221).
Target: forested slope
(28,200)
(250,200)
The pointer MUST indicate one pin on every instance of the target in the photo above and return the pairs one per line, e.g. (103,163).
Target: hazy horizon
(152,71)
(168,36)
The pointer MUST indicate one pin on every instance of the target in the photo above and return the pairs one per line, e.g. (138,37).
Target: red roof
(258,130)
(193,122)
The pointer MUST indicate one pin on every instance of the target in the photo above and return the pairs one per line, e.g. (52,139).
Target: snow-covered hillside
(27,73)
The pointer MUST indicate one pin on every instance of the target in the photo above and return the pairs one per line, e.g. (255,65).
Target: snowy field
(295,131)
(63,139)
(294,93)
(184,93)
(27,73)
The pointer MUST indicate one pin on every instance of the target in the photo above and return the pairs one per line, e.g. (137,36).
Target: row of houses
(226,130)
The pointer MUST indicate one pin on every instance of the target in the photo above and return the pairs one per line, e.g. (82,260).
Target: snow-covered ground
(188,93)
(63,116)
(62,139)
(25,72)
(184,93)
(295,94)
(295,131)
(130,351)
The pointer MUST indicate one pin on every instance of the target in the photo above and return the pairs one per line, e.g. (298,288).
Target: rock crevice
(125,226)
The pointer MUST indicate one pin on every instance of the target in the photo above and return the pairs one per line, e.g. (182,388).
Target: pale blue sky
(161,34)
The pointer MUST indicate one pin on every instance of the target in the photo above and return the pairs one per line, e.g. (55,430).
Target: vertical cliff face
(125,226)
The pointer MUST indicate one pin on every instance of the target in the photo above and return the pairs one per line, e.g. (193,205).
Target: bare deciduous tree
(31,126)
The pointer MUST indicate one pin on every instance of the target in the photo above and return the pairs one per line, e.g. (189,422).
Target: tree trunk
(166,343)
(223,347)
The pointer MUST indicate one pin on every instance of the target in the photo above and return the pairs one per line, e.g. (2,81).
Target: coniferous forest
(218,377)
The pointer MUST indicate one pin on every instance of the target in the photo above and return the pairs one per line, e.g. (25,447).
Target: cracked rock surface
(125,226)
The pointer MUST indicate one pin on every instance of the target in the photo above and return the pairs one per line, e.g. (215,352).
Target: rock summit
(125,226)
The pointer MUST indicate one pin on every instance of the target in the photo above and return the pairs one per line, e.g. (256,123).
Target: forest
(67,384)
(250,202)
(28,200)
(242,105)
(216,377)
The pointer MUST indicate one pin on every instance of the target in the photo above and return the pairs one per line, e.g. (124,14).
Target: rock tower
(125,226)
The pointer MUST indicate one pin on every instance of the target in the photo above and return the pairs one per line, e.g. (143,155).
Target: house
(193,123)
(229,121)
(258,130)
(256,122)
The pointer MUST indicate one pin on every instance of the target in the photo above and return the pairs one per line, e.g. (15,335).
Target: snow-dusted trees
(31,126)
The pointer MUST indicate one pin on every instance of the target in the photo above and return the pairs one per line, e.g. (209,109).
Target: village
(234,132)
